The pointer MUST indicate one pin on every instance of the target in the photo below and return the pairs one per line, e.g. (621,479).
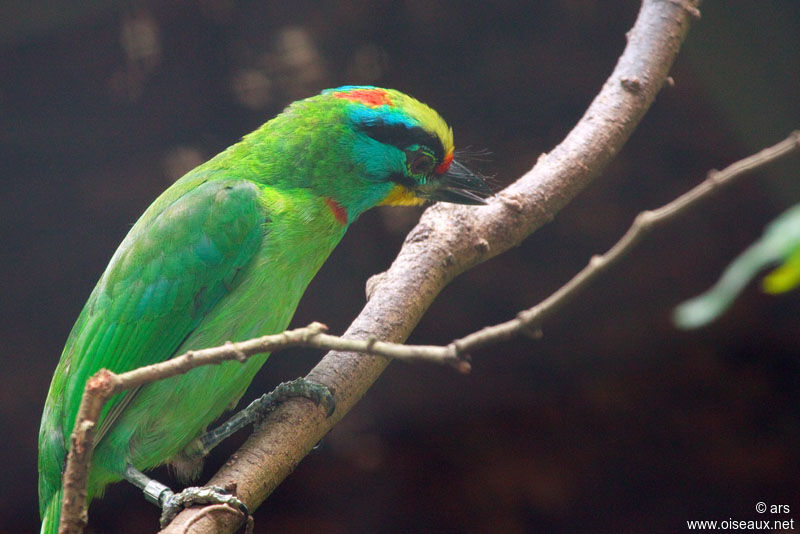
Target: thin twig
(99,388)
(105,384)
(531,318)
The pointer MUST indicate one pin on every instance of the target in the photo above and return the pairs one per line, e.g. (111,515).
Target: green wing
(177,262)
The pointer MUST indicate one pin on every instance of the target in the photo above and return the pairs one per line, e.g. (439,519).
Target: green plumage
(225,254)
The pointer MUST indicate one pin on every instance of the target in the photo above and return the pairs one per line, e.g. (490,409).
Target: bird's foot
(257,410)
(173,503)
(300,387)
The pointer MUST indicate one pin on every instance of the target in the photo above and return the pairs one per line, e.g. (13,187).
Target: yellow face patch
(401,196)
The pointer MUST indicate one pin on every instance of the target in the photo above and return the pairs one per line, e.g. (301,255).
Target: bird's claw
(173,504)
(319,395)
(316,393)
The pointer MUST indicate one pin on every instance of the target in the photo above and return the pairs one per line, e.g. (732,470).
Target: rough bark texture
(447,241)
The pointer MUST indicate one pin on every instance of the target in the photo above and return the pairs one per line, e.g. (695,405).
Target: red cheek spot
(445,164)
(370,97)
(338,211)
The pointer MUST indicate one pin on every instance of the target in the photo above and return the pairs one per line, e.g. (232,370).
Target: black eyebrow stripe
(402,136)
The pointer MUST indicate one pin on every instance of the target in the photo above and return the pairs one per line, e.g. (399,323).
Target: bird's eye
(420,163)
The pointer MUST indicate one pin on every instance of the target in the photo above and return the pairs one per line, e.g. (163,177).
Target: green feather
(224,254)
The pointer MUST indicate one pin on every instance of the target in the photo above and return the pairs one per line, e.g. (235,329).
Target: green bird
(225,253)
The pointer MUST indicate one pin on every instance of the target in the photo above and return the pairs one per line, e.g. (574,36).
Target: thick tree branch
(449,240)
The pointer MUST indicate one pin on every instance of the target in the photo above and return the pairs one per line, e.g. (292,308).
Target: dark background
(614,422)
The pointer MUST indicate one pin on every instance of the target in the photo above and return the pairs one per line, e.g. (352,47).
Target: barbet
(225,253)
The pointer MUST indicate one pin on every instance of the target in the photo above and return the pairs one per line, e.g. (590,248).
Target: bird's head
(398,151)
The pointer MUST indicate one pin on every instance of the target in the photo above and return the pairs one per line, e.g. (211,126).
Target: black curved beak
(459,185)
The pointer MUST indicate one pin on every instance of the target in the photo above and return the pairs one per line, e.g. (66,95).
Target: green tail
(52,514)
